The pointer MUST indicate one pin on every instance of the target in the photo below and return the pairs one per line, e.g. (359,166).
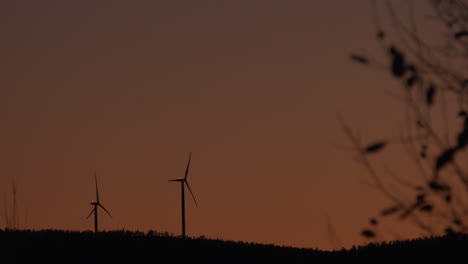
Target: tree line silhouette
(54,246)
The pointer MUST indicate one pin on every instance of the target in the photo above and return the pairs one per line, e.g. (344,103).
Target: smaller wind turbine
(183,182)
(96,205)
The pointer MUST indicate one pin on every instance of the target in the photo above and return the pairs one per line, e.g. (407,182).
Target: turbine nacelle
(178,180)
(94,203)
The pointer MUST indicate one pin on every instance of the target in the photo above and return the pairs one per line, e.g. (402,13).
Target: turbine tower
(97,204)
(183,182)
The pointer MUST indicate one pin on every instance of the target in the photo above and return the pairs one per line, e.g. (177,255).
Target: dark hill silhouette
(56,246)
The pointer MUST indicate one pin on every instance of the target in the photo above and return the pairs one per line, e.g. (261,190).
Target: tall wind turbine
(183,182)
(97,204)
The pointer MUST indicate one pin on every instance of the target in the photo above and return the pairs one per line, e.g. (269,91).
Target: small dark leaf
(368,233)
(380,34)
(390,210)
(420,124)
(421,198)
(448,198)
(373,221)
(423,152)
(449,231)
(375,147)
(359,59)
(430,94)
(435,186)
(460,34)
(458,222)
(463,136)
(398,62)
(464,83)
(411,81)
(426,208)
(444,158)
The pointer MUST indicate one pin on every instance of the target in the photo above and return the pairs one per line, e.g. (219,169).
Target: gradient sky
(252,88)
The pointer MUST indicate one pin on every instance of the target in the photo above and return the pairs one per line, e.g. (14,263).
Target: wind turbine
(96,205)
(183,182)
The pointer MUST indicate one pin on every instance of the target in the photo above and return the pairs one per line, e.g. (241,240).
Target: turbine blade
(188,166)
(173,180)
(193,196)
(92,211)
(105,210)
(97,190)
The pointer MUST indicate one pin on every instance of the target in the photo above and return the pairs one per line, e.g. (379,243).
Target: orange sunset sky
(127,89)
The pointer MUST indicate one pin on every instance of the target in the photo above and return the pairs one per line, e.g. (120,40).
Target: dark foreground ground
(55,246)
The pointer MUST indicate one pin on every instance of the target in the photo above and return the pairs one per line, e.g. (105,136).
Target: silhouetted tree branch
(432,72)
